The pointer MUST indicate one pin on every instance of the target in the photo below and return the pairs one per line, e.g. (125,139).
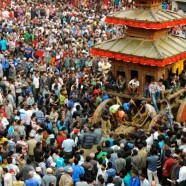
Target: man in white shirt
(149,109)
(182,175)
(133,86)
(3,120)
(7,177)
(27,119)
(22,112)
(143,180)
(160,90)
(56,82)
(36,84)
(30,99)
(67,146)
(100,64)
(105,67)
(37,175)
(149,139)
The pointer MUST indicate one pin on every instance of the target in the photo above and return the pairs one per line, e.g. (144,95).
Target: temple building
(148,49)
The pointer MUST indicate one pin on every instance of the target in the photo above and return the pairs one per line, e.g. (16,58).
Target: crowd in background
(50,87)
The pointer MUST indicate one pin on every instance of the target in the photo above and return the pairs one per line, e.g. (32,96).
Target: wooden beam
(177,93)
(122,95)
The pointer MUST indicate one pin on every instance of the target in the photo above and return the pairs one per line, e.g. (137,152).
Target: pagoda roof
(146,18)
(154,52)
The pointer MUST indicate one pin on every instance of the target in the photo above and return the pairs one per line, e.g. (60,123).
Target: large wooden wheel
(97,114)
(181,116)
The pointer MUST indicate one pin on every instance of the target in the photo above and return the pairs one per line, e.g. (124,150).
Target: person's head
(30,174)
(108,156)
(135,79)
(88,159)
(181,163)
(175,159)
(18,176)
(29,161)
(121,136)
(9,160)
(111,135)
(101,179)
(134,173)
(31,135)
(153,151)
(39,131)
(68,136)
(119,155)
(92,155)
(140,146)
(167,153)
(81,152)
(109,165)
(152,80)
(70,171)
(135,152)
(142,177)
(39,144)
(5,160)
(160,138)
(99,148)
(160,82)
(183,140)
(76,161)
(153,183)
(143,103)
(82,177)
(4,171)
(110,179)
(49,170)
(107,143)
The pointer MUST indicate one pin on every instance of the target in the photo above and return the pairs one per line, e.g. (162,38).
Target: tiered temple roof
(147,41)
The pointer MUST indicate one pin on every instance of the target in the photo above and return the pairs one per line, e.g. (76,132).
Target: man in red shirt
(61,137)
(167,168)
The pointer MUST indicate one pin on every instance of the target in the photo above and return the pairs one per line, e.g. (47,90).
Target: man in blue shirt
(15,62)
(110,139)
(3,45)
(60,162)
(6,65)
(134,181)
(77,171)
(28,51)
(31,181)
(127,107)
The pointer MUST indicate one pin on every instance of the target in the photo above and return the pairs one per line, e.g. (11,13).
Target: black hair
(76,161)
(135,152)
(88,158)
(5,170)
(109,164)
(101,179)
(81,177)
(18,176)
(107,143)
(110,179)
(28,161)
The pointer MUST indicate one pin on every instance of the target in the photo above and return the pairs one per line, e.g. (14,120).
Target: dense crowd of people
(50,87)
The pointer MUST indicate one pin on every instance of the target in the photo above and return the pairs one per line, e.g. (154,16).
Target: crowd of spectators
(50,87)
